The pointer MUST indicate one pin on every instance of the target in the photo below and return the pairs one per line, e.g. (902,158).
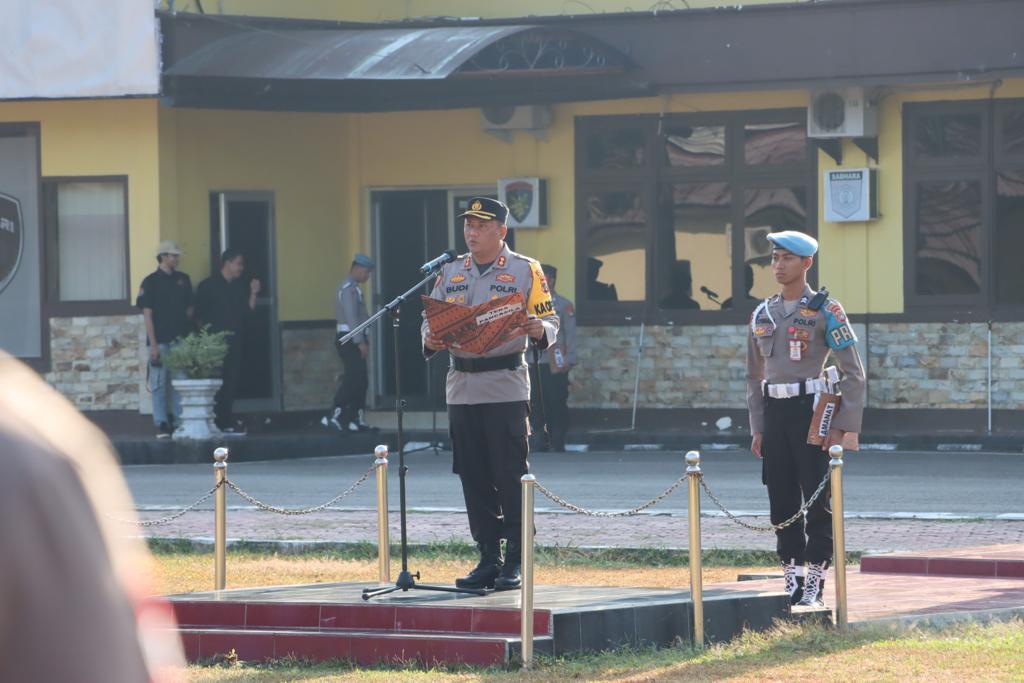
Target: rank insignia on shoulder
(501,262)
(505,277)
(467,261)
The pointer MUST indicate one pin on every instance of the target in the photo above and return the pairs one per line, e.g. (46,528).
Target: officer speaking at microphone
(789,338)
(488,395)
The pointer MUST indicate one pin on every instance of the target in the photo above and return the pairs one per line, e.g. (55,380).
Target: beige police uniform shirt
(783,349)
(350,310)
(74,601)
(566,313)
(461,282)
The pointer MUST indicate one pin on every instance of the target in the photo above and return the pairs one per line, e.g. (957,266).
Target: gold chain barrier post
(383,539)
(838,534)
(220,556)
(693,474)
(526,598)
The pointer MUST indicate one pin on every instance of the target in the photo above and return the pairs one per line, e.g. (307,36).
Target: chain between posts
(300,511)
(772,527)
(626,513)
(169,518)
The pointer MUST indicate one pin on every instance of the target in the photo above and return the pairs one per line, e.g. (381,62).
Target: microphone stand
(406,580)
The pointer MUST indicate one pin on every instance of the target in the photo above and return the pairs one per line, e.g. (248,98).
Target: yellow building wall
(300,158)
(104,137)
(393,10)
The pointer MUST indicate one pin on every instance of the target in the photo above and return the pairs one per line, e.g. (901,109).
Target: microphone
(705,290)
(430,266)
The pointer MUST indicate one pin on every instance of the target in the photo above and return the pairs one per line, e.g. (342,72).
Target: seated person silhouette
(679,295)
(598,291)
(748,284)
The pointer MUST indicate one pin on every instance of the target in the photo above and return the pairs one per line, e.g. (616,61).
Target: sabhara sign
(11,238)
(527,201)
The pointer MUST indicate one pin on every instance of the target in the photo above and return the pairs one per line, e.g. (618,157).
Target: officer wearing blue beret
(790,336)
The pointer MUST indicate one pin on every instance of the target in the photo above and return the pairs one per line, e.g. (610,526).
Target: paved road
(967,484)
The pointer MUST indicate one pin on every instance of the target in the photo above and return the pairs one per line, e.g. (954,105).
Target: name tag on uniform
(795,349)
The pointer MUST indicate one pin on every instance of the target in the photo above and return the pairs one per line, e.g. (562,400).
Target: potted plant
(195,363)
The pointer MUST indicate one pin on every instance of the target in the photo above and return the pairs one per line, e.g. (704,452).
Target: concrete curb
(944,619)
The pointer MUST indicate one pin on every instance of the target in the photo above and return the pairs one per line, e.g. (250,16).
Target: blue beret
(796,242)
(364,261)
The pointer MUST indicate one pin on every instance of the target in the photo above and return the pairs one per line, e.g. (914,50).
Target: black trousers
(223,402)
(792,470)
(556,404)
(489,445)
(351,393)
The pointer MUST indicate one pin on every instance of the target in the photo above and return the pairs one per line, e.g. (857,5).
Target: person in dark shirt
(165,298)
(222,302)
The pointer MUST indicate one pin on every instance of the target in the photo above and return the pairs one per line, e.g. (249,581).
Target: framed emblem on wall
(527,201)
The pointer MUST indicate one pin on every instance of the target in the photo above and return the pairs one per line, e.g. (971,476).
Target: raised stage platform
(331,621)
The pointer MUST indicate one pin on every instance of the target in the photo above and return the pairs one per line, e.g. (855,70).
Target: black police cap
(486,209)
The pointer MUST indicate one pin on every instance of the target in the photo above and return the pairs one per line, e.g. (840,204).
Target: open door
(245,221)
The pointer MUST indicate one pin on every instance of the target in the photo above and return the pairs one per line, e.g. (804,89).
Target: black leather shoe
(486,571)
(511,576)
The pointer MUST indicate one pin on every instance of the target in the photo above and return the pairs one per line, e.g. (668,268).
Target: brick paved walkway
(642,531)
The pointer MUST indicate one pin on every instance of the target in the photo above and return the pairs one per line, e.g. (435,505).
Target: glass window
(1013,132)
(1009,276)
(775,143)
(616,246)
(948,136)
(949,237)
(694,146)
(767,210)
(617,149)
(89,239)
(696,273)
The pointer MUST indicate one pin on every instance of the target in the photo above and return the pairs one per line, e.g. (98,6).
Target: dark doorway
(245,221)
(411,229)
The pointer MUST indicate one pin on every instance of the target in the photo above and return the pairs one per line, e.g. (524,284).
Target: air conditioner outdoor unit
(502,120)
(841,113)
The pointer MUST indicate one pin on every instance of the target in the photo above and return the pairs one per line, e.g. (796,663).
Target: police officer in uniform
(554,365)
(488,395)
(789,337)
(350,312)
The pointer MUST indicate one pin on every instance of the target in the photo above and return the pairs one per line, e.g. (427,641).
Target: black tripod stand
(406,580)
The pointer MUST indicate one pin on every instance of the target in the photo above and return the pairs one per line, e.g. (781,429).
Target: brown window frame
(983,168)
(53,307)
(654,177)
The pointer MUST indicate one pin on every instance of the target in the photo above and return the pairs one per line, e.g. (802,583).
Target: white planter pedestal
(197,408)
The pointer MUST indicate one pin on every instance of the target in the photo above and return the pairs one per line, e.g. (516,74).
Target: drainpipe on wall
(989,376)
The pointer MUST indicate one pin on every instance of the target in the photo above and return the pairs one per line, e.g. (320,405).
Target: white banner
(78,48)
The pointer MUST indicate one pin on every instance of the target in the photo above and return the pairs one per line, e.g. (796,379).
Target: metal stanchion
(838,534)
(526,598)
(220,557)
(383,538)
(693,473)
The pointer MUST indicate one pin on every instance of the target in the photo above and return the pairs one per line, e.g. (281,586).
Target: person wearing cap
(789,338)
(553,367)
(165,297)
(350,312)
(488,394)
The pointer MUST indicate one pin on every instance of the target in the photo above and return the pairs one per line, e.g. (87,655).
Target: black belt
(512,361)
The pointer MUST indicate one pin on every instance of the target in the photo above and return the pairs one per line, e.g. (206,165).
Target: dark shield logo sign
(12,238)
(520,200)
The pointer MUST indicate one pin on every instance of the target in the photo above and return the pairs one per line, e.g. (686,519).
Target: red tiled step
(361,647)
(365,617)
(995,562)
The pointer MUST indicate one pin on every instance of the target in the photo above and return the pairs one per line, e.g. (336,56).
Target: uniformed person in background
(165,298)
(555,364)
(350,312)
(488,396)
(788,340)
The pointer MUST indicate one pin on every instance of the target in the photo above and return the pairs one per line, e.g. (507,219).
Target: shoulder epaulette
(818,300)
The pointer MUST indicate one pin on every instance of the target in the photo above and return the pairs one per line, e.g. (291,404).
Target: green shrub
(200,355)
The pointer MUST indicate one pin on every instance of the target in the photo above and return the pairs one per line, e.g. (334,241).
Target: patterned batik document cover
(476,329)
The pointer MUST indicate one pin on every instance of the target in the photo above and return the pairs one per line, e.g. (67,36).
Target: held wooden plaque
(476,329)
(824,414)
